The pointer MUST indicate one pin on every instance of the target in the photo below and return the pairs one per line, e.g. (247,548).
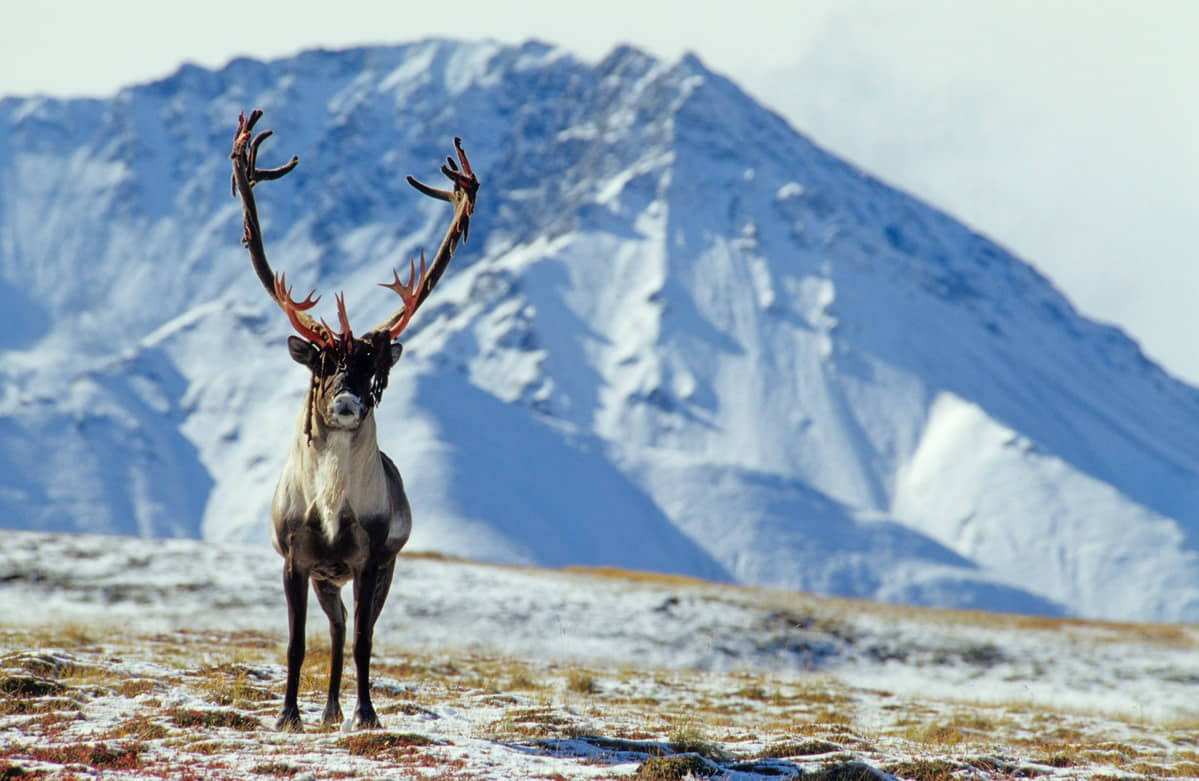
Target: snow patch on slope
(968,468)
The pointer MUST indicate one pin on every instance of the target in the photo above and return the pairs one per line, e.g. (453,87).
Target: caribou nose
(346,409)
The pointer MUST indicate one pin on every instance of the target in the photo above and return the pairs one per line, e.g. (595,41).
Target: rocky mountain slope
(682,338)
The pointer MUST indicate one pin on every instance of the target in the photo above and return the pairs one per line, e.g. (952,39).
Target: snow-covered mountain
(682,338)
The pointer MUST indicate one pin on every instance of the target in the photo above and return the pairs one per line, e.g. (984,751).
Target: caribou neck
(345,472)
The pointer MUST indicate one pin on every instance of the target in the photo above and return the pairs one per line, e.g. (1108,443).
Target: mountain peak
(682,337)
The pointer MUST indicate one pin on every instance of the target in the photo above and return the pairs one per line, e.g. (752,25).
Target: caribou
(339,512)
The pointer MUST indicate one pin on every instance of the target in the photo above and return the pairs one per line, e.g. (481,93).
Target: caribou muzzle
(346,411)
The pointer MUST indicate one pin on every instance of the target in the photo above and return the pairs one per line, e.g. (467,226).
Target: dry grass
(525,723)
(232,684)
(692,722)
(675,767)
(141,727)
(1176,635)
(688,737)
(581,682)
(229,718)
(383,745)
(523,681)
(952,729)
(637,576)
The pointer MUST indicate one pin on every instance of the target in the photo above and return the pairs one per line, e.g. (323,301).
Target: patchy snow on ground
(134,658)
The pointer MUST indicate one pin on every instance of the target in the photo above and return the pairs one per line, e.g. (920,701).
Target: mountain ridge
(683,337)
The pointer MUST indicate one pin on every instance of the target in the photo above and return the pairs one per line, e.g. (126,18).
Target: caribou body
(339,512)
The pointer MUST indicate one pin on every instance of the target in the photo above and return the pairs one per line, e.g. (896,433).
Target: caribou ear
(303,351)
(397,349)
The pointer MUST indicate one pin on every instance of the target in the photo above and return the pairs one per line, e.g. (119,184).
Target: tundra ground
(113,669)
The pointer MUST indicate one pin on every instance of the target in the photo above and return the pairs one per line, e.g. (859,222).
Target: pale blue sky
(1068,131)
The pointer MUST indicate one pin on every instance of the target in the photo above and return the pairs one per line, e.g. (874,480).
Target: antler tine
(464,178)
(267,174)
(344,333)
(311,330)
(255,115)
(341,315)
(462,157)
(409,293)
(441,195)
(254,144)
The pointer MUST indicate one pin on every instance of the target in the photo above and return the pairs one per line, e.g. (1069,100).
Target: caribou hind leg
(382,588)
(295,588)
(329,596)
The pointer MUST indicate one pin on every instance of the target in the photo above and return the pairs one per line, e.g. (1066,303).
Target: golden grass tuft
(275,769)
(522,680)
(793,748)
(687,737)
(232,688)
(924,769)
(675,767)
(525,723)
(226,718)
(1177,770)
(581,682)
(953,729)
(383,746)
(101,756)
(17,685)
(636,576)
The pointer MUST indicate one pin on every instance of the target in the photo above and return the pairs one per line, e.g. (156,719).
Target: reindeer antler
(246,174)
(413,294)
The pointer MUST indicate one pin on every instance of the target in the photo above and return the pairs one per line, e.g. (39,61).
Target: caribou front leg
(295,587)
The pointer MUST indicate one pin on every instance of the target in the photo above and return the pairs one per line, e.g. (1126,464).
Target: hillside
(683,338)
(149,659)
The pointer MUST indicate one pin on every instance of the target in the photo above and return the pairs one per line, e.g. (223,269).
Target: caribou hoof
(332,716)
(289,720)
(365,718)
